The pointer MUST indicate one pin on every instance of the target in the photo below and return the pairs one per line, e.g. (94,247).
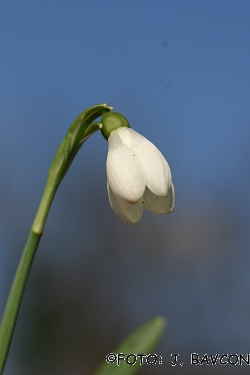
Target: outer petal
(157,204)
(125,170)
(128,213)
(158,174)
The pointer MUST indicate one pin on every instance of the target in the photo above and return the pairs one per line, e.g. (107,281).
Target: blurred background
(179,71)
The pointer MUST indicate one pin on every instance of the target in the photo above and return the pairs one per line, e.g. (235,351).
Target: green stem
(15,297)
(16,293)
(79,131)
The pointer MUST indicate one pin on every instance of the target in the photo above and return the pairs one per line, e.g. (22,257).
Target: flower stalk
(80,130)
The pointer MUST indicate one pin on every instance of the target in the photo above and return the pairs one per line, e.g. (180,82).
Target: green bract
(112,121)
(80,130)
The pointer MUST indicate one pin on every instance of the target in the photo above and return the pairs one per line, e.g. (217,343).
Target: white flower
(138,176)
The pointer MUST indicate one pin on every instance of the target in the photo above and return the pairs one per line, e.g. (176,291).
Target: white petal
(157,204)
(125,170)
(128,213)
(158,174)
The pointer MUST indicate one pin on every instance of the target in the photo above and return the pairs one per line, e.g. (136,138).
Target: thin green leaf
(141,341)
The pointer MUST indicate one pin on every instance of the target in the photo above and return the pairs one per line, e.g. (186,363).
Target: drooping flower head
(138,174)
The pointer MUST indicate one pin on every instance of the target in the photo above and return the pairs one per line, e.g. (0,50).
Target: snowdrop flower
(138,174)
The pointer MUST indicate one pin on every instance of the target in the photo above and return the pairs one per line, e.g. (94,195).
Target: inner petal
(128,213)
(159,205)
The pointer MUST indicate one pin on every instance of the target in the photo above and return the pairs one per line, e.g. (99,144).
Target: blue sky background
(179,71)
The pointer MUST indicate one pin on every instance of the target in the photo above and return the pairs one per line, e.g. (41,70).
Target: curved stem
(77,134)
